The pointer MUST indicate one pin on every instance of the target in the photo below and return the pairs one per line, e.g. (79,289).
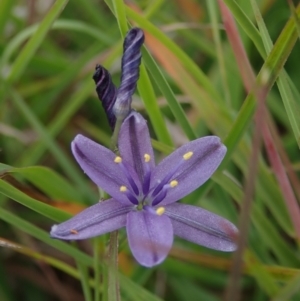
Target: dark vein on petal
(198,225)
(152,244)
(135,150)
(184,171)
(100,218)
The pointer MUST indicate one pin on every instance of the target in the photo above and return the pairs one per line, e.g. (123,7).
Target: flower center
(149,197)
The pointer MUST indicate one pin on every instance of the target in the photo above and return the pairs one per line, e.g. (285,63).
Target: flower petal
(150,237)
(98,219)
(134,143)
(98,163)
(202,158)
(202,227)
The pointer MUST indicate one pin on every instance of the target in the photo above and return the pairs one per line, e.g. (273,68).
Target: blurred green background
(193,83)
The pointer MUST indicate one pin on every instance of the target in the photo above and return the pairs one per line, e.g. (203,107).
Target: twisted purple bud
(117,102)
(131,61)
(107,93)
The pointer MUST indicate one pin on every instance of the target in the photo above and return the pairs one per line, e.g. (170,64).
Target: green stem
(114,138)
(84,278)
(111,275)
(113,279)
(97,268)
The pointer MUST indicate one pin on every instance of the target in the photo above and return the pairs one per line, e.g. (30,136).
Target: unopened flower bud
(131,61)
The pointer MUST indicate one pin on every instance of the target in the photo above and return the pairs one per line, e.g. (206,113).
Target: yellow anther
(147,157)
(73,231)
(160,210)
(123,188)
(173,183)
(187,155)
(118,159)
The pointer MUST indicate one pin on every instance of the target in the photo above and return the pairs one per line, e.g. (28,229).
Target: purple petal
(208,153)
(202,227)
(134,143)
(98,219)
(150,237)
(98,163)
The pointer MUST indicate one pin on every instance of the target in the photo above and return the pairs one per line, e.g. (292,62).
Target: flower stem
(114,138)
(84,278)
(113,279)
(113,291)
(96,248)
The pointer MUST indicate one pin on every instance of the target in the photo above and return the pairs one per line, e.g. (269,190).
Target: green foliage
(190,85)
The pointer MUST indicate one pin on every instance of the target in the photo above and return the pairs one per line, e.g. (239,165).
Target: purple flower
(144,195)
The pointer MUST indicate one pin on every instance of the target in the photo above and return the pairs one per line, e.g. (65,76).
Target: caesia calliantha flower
(144,195)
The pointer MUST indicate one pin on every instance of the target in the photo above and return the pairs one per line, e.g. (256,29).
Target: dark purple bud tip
(134,36)
(107,92)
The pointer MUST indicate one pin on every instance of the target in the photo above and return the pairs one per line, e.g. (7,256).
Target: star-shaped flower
(144,195)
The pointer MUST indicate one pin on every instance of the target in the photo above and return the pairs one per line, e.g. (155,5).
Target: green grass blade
(58,264)
(48,181)
(61,158)
(179,53)
(288,292)
(261,274)
(15,43)
(273,66)
(33,44)
(75,101)
(97,269)
(246,24)
(84,278)
(5,9)
(120,16)
(169,95)
(35,205)
(147,93)
(131,289)
(265,228)
(212,10)
(291,106)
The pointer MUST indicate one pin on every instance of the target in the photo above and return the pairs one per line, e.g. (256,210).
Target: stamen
(187,155)
(171,174)
(147,157)
(147,176)
(128,175)
(173,183)
(73,231)
(123,188)
(146,183)
(161,195)
(132,198)
(118,159)
(160,210)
